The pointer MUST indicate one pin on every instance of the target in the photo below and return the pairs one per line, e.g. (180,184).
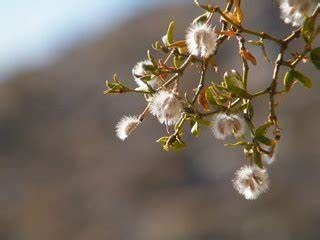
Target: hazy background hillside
(64,175)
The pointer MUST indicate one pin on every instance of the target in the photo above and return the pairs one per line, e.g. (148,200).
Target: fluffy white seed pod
(201,40)
(166,107)
(227,125)
(295,11)
(139,71)
(251,181)
(126,125)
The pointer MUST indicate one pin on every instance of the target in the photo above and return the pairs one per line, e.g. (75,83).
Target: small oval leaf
(308,29)
(304,80)
(289,80)
(315,57)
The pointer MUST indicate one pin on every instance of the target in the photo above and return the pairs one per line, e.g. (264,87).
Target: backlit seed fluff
(125,126)
(139,72)
(227,125)
(201,40)
(295,11)
(166,107)
(251,181)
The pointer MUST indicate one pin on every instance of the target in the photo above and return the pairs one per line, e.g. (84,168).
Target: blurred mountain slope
(64,175)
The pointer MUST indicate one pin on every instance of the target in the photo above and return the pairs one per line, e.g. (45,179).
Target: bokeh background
(63,173)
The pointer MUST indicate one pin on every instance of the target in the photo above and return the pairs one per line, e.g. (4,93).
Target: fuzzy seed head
(227,125)
(251,181)
(201,40)
(166,107)
(126,125)
(295,11)
(139,72)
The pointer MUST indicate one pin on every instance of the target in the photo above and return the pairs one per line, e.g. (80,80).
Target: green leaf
(234,79)
(239,109)
(257,158)
(315,57)
(260,133)
(210,98)
(239,91)
(178,61)
(292,76)
(304,80)
(174,143)
(162,140)
(195,130)
(152,59)
(149,67)
(217,87)
(157,46)
(221,100)
(115,88)
(237,144)
(178,145)
(115,78)
(235,85)
(265,140)
(169,37)
(146,78)
(249,111)
(262,130)
(289,80)
(171,32)
(308,29)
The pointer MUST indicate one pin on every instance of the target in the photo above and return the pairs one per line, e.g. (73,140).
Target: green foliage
(257,158)
(238,144)
(315,57)
(235,85)
(169,37)
(178,60)
(308,29)
(260,134)
(289,80)
(262,130)
(210,97)
(153,60)
(115,87)
(195,130)
(293,76)
(171,143)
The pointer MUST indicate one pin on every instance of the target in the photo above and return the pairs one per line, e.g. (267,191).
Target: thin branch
(201,82)
(245,30)
(178,74)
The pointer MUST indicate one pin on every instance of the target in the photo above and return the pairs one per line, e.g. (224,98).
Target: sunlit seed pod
(166,107)
(226,125)
(201,40)
(126,125)
(251,181)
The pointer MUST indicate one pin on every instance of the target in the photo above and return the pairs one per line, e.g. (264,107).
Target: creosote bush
(226,106)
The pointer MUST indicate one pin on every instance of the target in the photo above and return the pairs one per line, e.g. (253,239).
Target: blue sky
(36,31)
